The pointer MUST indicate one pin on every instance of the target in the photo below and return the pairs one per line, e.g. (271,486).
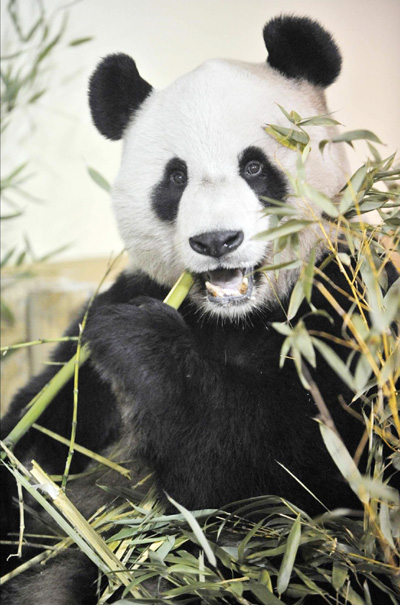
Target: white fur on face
(207,119)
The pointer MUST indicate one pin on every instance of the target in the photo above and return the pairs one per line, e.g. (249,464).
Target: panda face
(195,161)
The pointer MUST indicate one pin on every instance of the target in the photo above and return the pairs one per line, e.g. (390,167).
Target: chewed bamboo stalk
(41,401)
(179,291)
(79,523)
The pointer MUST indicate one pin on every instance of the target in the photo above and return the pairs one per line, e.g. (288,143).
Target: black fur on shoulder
(116,90)
(300,48)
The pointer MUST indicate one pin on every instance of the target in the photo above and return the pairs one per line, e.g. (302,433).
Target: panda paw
(142,338)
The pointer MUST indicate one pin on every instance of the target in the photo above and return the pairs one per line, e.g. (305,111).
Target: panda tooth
(244,286)
(214,290)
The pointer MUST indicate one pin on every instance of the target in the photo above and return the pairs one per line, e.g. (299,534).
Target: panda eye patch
(261,175)
(167,194)
(253,168)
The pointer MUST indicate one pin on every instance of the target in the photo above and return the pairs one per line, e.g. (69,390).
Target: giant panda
(198,395)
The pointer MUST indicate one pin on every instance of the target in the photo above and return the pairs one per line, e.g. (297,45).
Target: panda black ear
(116,90)
(299,47)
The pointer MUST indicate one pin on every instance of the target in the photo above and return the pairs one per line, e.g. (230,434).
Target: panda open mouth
(228,285)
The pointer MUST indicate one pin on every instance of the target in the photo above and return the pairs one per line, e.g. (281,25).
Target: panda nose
(216,243)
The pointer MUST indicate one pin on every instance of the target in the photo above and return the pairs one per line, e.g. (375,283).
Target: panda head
(196,160)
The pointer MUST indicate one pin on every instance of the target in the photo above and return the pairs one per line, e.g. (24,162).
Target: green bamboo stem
(179,291)
(33,343)
(41,401)
(84,450)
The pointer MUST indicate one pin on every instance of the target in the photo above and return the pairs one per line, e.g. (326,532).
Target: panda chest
(247,350)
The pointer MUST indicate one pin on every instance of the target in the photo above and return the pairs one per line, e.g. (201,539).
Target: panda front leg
(68,579)
(142,347)
(164,388)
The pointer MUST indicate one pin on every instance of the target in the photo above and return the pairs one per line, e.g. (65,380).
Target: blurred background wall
(60,231)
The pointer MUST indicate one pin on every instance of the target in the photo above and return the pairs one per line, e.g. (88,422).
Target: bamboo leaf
(352,192)
(8,180)
(296,299)
(7,217)
(7,257)
(340,574)
(36,96)
(43,53)
(284,210)
(350,136)
(335,362)
(263,594)
(319,199)
(304,344)
(288,137)
(308,277)
(198,532)
(99,179)
(282,328)
(249,536)
(79,41)
(287,228)
(285,113)
(362,373)
(319,121)
(343,461)
(284,351)
(292,264)
(289,557)
(6,314)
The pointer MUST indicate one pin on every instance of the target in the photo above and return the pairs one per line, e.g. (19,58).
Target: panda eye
(178,177)
(253,169)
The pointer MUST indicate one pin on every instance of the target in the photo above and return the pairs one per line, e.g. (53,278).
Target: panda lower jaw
(228,286)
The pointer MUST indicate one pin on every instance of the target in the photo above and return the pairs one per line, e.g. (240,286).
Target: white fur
(207,118)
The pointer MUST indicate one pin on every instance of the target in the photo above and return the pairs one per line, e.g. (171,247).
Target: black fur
(271,182)
(300,48)
(189,392)
(116,91)
(68,580)
(167,193)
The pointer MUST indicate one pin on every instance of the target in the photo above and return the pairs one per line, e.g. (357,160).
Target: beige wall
(167,38)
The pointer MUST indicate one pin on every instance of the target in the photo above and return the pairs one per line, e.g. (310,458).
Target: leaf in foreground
(198,532)
(99,179)
(289,556)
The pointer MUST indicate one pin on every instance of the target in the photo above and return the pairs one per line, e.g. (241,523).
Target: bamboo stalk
(179,291)
(33,343)
(39,404)
(41,401)
(85,530)
(84,450)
